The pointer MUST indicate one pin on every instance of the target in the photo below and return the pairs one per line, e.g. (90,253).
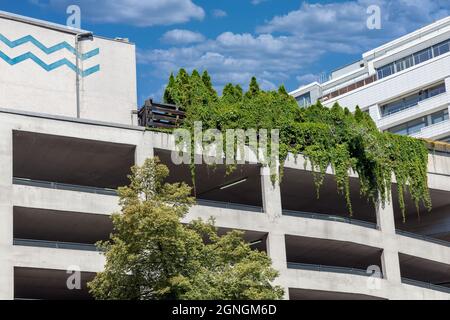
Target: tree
(152,255)
(253,88)
(169,90)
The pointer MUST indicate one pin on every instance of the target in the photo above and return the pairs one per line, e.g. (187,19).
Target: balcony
(434,130)
(422,108)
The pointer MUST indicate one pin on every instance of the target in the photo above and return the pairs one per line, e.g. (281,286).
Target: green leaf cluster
(327,137)
(152,255)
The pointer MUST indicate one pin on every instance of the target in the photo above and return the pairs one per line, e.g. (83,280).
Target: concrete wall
(107,94)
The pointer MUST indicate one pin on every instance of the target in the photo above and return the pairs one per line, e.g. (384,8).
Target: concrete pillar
(6,215)
(271,195)
(144,149)
(389,259)
(391,265)
(276,249)
(385,218)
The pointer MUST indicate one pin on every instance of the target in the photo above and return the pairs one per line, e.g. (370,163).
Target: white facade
(38,64)
(58,172)
(413,72)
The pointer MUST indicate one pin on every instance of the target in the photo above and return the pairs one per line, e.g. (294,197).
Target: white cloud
(256,2)
(142,13)
(219,13)
(342,26)
(287,46)
(235,58)
(180,36)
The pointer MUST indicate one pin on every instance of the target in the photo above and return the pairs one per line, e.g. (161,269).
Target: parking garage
(59,229)
(66,162)
(299,197)
(331,255)
(431,226)
(46,284)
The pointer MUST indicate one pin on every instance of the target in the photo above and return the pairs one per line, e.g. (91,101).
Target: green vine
(327,137)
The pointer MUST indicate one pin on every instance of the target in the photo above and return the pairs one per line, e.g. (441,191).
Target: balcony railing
(229,205)
(321,268)
(327,217)
(349,88)
(63,186)
(159,115)
(425,285)
(55,244)
(422,237)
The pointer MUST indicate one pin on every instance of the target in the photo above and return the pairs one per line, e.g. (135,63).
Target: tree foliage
(152,255)
(325,136)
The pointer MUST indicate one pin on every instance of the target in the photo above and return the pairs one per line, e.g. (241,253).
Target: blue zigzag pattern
(50,50)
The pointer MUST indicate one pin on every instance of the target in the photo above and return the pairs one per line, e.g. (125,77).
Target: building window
(386,71)
(412,100)
(403,64)
(423,56)
(439,116)
(304,100)
(414,126)
(441,48)
(414,59)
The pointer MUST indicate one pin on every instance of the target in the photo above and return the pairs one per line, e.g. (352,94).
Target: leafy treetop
(152,255)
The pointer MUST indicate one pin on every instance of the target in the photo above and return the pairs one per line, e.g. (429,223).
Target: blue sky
(286,42)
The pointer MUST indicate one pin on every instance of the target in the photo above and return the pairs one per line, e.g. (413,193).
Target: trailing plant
(327,137)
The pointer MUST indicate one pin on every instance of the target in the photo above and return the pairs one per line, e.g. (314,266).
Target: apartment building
(69,134)
(403,84)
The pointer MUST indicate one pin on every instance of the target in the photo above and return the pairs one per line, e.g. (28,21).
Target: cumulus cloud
(181,36)
(342,26)
(142,13)
(232,57)
(285,47)
(219,13)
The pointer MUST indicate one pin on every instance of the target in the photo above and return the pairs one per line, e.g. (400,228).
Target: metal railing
(55,245)
(426,285)
(63,186)
(228,205)
(321,268)
(422,237)
(320,216)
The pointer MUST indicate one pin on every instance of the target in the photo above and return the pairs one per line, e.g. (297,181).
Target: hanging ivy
(348,142)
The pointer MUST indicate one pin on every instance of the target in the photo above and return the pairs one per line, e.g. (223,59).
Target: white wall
(107,95)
